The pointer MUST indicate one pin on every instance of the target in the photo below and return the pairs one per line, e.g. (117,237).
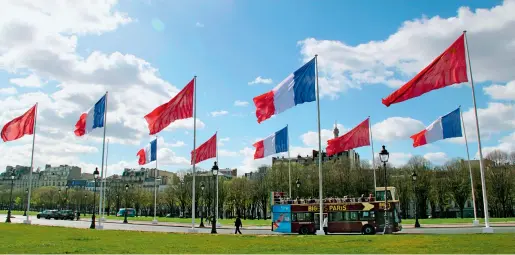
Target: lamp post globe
(384,155)
(95,176)
(202,187)
(126,204)
(414,179)
(214,171)
(297,183)
(8,219)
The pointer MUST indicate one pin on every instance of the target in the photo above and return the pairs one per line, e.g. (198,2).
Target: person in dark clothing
(238,225)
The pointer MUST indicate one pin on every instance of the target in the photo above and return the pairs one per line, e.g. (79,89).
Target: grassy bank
(39,239)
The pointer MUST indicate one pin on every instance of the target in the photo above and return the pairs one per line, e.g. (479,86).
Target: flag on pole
(94,118)
(148,154)
(275,143)
(179,107)
(448,126)
(357,137)
(447,69)
(20,126)
(205,151)
(297,88)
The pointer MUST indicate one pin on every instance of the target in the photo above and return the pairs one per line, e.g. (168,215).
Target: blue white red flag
(94,118)
(448,126)
(275,143)
(148,154)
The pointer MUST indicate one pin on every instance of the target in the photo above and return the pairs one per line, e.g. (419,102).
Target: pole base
(155,222)
(192,230)
(100,226)
(475,223)
(26,222)
(320,232)
(488,230)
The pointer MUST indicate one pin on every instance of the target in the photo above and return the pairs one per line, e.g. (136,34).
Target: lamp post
(298,186)
(8,220)
(126,203)
(66,199)
(414,179)
(384,155)
(59,200)
(24,205)
(214,171)
(202,186)
(85,204)
(95,176)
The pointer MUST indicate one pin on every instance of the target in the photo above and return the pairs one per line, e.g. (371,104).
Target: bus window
(302,217)
(364,215)
(336,216)
(351,216)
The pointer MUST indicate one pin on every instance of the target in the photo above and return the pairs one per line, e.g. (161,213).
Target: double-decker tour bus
(345,215)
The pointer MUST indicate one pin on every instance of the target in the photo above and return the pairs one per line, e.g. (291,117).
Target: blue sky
(365,48)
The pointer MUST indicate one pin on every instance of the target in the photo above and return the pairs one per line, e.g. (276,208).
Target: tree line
(437,190)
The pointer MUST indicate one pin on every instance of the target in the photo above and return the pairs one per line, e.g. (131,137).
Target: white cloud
(29,81)
(396,128)
(506,144)
(8,91)
(241,103)
(311,137)
(501,92)
(222,141)
(260,80)
(226,153)
(414,45)
(198,24)
(399,158)
(436,158)
(219,113)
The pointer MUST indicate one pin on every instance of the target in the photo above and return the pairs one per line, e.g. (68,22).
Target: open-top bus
(345,215)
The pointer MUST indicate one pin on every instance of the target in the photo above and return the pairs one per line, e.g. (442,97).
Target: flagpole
(487,228)
(105,182)
(475,222)
(194,151)
(217,176)
(289,163)
(27,221)
(320,231)
(155,187)
(372,145)
(102,186)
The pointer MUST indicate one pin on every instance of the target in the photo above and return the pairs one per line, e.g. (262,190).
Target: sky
(64,55)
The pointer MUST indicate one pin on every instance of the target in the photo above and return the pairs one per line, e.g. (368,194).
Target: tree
(458,183)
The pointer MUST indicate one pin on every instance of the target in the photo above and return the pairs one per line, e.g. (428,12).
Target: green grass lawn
(39,239)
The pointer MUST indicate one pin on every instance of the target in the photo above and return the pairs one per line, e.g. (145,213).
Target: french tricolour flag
(94,118)
(275,143)
(448,126)
(148,154)
(297,88)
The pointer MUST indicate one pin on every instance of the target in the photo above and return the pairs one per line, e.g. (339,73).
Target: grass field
(39,239)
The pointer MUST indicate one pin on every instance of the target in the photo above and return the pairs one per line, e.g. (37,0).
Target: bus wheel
(303,231)
(368,230)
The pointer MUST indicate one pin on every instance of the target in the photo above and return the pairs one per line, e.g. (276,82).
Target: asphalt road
(175,229)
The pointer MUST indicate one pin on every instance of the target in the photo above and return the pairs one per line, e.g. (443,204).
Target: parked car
(130,212)
(48,214)
(66,215)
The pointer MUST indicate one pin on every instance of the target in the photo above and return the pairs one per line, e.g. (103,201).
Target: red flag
(357,137)
(205,151)
(447,69)
(20,126)
(180,107)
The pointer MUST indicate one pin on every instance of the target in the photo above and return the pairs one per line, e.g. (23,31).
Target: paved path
(185,228)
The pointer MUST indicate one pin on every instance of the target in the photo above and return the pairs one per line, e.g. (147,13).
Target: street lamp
(24,205)
(85,204)
(384,155)
(8,220)
(414,178)
(66,200)
(202,186)
(95,176)
(214,171)
(59,201)
(126,209)
(298,186)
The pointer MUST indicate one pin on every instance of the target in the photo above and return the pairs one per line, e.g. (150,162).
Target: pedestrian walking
(238,225)
(325,224)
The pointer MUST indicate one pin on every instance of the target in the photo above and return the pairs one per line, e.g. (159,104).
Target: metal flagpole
(155,188)
(27,221)
(102,187)
(105,182)
(289,163)
(194,151)
(373,161)
(321,198)
(487,228)
(217,176)
(475,222)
